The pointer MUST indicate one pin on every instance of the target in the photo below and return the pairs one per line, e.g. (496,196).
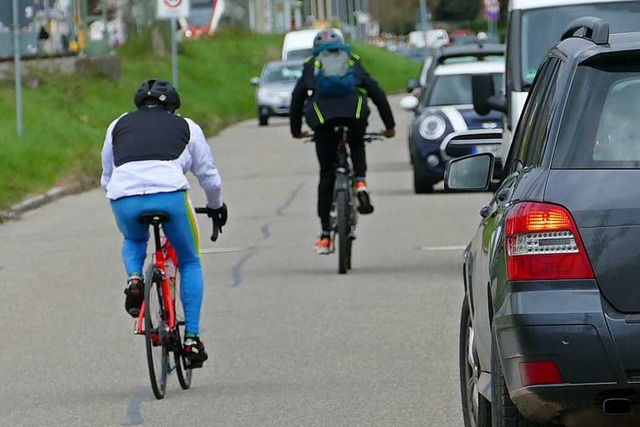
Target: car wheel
(476,410)
(421,184)
(263,120)
(504,412)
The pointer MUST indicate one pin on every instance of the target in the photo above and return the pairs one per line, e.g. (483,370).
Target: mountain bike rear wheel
(343,232)
(155,331)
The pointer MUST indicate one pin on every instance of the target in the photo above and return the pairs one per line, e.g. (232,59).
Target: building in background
(275,16)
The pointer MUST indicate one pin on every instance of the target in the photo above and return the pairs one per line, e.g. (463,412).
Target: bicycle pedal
(194,365)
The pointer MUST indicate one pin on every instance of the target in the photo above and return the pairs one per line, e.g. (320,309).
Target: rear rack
(595,29)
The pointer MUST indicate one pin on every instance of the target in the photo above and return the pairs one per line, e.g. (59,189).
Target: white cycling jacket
(158,176)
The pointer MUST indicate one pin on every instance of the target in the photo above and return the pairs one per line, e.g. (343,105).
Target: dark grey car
(550,325)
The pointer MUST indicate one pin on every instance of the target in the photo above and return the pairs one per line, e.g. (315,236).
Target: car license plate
(493,149)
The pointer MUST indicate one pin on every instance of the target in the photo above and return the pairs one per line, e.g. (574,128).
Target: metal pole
(105,31)
(174,51)
(17,68)
(423,19)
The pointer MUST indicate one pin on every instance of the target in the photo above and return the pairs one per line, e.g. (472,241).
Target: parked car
(454,54)
(550,324)
(274,87)
(446,126)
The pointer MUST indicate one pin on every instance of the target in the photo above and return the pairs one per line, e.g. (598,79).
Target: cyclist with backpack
(333,91)
(145,156)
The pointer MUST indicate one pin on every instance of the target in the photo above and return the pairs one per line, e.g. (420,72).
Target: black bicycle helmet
(159,90)
(327,36)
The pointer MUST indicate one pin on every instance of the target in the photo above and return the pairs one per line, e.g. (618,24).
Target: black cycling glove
(219,216)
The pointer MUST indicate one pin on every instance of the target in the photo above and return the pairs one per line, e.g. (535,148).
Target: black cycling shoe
(194,352)
(134,293)
(364,202)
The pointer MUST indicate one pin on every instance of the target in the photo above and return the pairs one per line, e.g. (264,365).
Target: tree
(457,10)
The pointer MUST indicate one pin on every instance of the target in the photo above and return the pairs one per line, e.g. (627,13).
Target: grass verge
(65,116)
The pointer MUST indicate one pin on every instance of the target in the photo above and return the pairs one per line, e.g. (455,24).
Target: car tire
(504,412)
(263,120)
(421,183)
(474,414)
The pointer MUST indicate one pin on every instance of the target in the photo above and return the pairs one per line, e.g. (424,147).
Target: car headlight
(432,127)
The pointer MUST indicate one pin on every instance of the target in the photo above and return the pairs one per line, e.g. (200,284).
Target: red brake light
(542,372)
(543,243)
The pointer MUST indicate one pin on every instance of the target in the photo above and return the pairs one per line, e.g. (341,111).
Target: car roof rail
(595,29)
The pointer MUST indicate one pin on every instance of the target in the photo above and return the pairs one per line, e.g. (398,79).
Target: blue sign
(492,10)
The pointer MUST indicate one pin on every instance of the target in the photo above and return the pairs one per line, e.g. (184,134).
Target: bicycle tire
(154,324)
(343,232)
(182,372)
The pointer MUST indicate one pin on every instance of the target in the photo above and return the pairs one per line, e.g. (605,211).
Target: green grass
(65,117)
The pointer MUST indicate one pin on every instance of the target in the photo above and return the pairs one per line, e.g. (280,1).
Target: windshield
(542,28)
(282,73)
(456,89)
(200,16)
(604,132)
(299,54)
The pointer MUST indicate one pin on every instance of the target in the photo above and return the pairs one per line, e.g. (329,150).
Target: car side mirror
(255,81)
(469,173)
(412,84)
(409,103)
(484,99)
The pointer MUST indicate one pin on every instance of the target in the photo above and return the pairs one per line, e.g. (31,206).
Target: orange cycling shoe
(323,245)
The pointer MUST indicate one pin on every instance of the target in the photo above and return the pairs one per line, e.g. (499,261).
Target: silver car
(274,87)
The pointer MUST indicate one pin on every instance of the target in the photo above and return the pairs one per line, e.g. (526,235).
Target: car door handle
(485,211)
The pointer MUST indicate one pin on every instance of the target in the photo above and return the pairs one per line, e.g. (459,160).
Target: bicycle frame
(344,174)
(159,264)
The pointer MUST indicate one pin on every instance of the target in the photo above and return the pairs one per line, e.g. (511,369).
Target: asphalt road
(292,343)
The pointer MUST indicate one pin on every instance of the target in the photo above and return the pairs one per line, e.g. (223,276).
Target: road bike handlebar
(217,229)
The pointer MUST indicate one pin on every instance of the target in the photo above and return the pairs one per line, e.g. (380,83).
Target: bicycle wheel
(182,372)
(343,232)
(154,333)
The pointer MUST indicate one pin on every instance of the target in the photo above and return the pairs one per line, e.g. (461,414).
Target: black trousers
(326,149)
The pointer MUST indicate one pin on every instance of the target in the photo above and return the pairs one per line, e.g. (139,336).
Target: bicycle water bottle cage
(154,217)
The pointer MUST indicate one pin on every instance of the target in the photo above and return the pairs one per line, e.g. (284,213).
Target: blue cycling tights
(182,232)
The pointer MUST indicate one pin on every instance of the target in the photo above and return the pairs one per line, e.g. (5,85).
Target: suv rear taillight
(543,243)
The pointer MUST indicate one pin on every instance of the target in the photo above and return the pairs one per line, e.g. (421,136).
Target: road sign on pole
(173,10)
(168,9)
(492,10)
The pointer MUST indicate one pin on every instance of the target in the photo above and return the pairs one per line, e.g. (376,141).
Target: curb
(42,199)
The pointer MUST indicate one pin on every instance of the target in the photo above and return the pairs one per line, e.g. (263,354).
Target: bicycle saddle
(151,217)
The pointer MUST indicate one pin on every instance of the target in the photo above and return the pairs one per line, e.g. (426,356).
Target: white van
(534,27)
(298,45)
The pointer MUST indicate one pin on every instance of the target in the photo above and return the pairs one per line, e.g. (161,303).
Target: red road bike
(158,321)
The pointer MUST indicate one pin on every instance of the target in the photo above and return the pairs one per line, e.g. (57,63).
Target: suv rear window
(601,126)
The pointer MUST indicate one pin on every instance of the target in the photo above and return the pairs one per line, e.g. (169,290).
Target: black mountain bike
(344,215)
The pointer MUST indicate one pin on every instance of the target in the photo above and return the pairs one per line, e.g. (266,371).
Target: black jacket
(318,110)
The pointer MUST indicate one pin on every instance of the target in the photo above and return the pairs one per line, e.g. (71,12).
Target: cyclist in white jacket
(145,156)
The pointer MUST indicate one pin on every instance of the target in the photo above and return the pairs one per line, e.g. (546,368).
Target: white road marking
(441,248)
(224,250)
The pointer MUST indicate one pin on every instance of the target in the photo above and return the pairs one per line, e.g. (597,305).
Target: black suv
(550,324)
